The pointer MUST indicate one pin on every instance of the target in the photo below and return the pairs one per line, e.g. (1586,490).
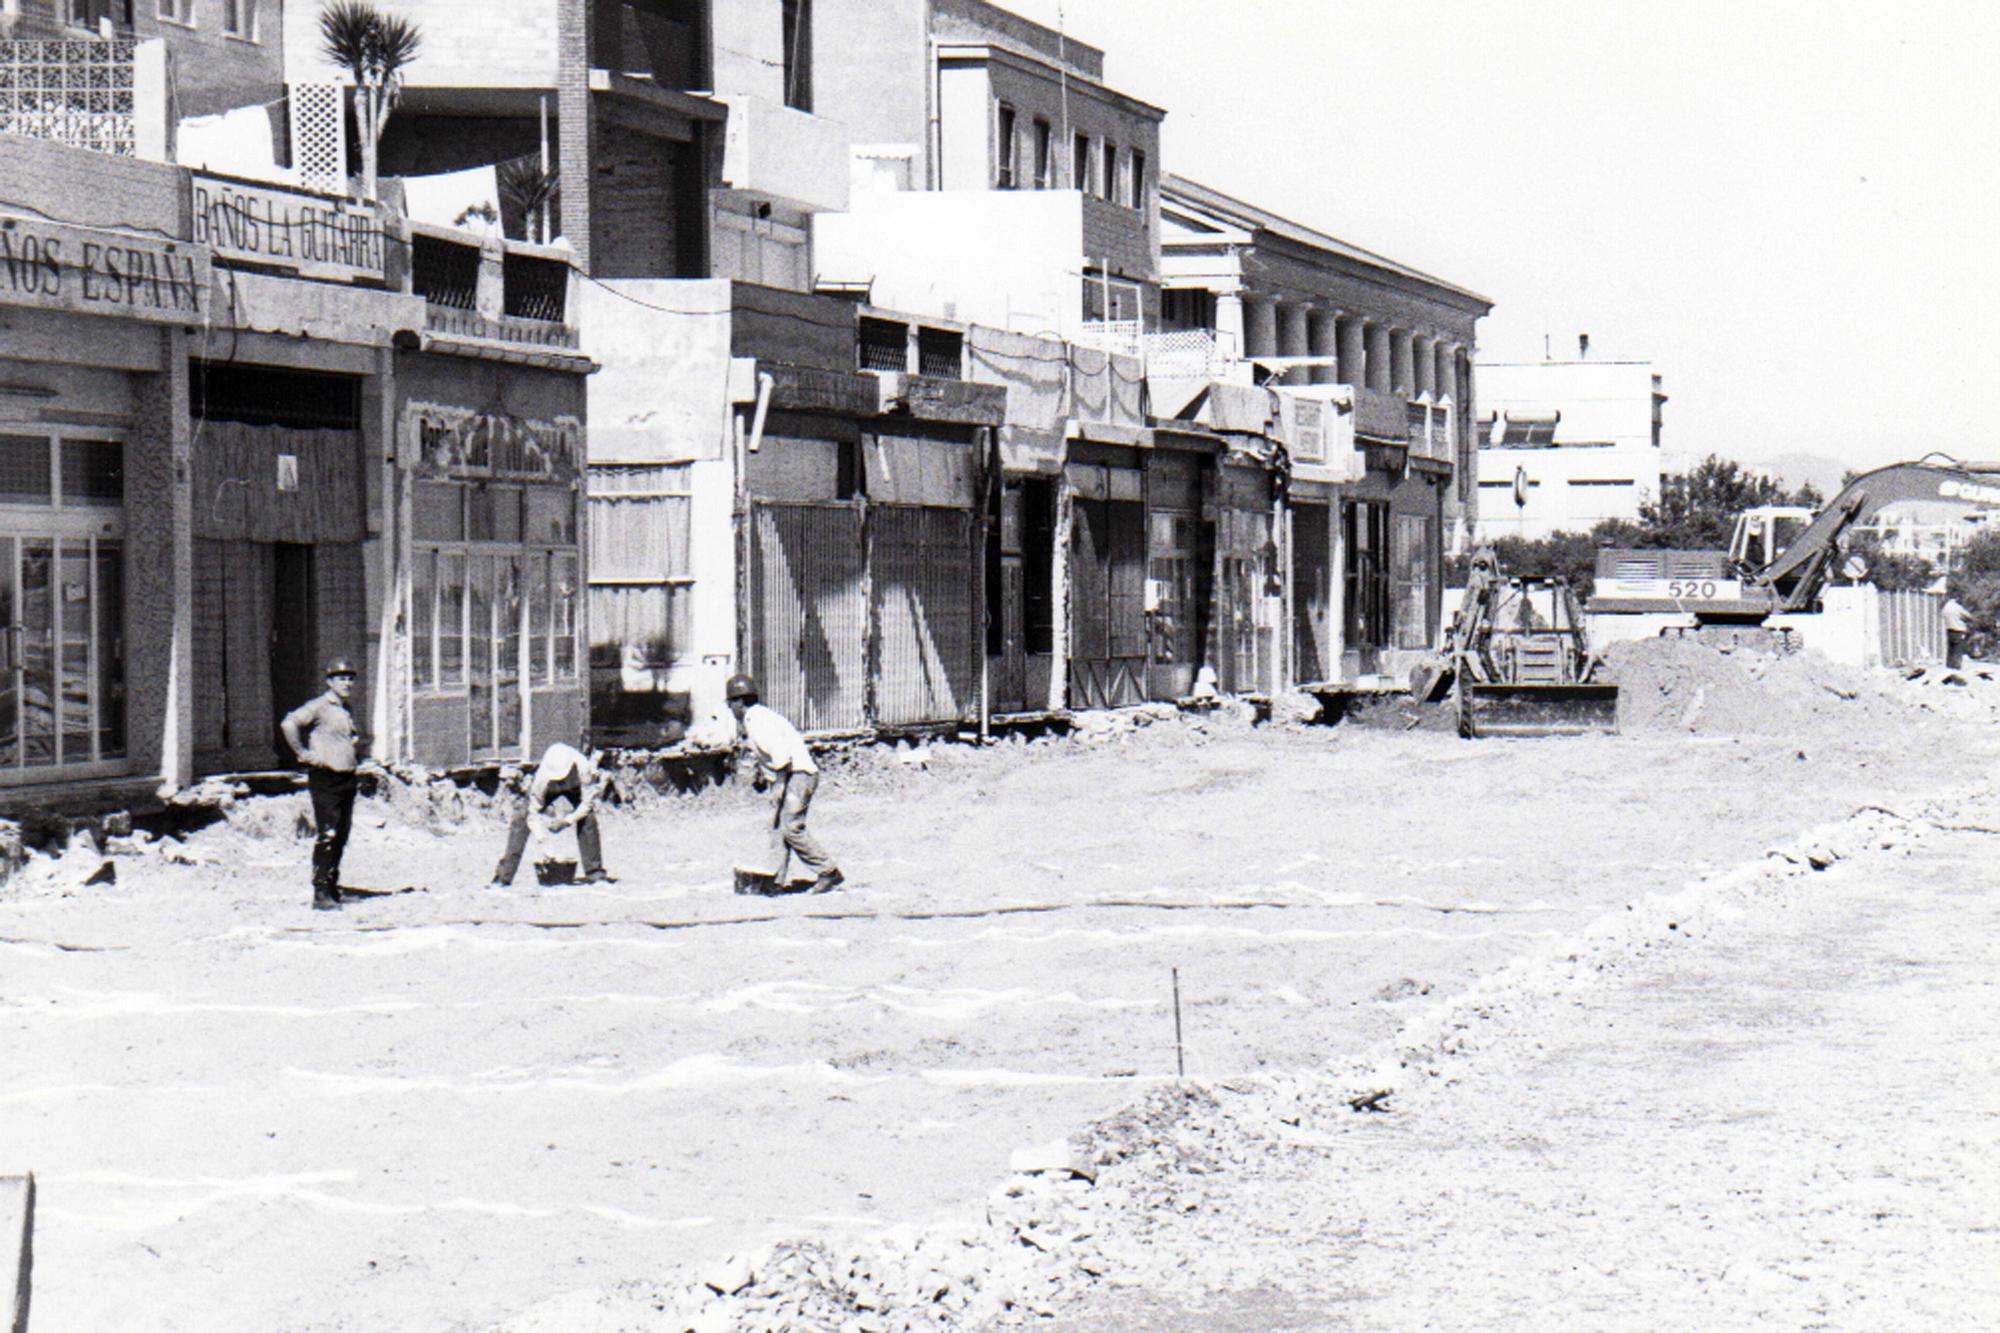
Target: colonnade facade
(1367,352)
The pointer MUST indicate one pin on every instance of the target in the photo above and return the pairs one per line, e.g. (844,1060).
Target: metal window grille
(93,471)
(941,353)
(884,345)
(319,136)
(266,396)
(534,288)
(78,93)
(445,273)
(24,470)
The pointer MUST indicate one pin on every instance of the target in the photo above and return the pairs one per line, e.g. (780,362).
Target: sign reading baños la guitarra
(57,267)
(312,235)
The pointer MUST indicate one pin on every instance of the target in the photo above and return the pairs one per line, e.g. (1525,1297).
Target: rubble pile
(1682,684)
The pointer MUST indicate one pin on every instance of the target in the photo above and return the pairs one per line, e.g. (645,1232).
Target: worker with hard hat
(321,735)
(783,761)
(565,773)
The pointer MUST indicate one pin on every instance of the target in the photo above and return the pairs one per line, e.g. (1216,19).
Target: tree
(1976,585)
(375,48)
(530,198)
(1697,510)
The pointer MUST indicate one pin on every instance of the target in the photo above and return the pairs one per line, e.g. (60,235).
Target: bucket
(553,871)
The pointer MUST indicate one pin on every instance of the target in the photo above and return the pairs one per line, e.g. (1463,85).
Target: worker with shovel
(783,763)
(569,774)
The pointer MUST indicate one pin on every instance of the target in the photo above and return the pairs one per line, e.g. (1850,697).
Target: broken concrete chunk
(730,1276)
(1051,1158)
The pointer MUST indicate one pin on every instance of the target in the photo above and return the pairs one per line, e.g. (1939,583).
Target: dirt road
(444,1105)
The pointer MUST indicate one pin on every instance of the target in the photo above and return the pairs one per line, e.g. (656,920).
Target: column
(1444,372)
(1294,337)
(1423,356)
(1260,326)
(575,125)
(1322,342)
(1229,326)
(1352,334)
(1377,360)
(1402,372)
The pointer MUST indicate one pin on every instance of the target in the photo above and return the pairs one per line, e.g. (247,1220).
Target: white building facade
(1565,445)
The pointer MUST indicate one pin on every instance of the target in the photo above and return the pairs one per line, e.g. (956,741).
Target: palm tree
(374,47)
(530,192)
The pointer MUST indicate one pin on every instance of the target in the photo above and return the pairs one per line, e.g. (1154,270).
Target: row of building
(876,354)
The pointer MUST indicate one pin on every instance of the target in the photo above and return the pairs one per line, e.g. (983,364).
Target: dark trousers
(587,841)
(333,815)
(1954,647)
(789,839)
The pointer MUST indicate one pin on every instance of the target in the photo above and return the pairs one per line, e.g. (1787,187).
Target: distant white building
(1564,445)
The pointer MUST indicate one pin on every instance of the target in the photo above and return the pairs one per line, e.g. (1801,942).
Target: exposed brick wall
(637,205)
(1119,236)
(575,128)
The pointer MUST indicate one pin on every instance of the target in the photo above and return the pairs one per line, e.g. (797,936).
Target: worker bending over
(569,774)
(784,761)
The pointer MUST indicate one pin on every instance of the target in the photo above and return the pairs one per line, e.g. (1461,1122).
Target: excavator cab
(1763,533)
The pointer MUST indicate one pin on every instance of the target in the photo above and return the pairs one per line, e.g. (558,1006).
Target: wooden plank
(17,1246)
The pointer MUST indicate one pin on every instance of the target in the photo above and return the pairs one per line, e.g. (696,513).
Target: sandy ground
(1781,1109)
(447,1106)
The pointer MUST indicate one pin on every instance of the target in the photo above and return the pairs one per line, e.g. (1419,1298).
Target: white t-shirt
(779,746)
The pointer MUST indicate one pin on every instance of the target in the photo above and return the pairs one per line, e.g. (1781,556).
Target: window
(1529,430)
(239,18)
(1114,300)
(70,474)
(1079,164)
(1038,541)
(423,618)
(797,26)
(1138,181)
(1410,565)
(1114,172)
(883,344)
(941,353)
(177,11)
(1003,157)
(1364,532)
(93,14)
(1045,156)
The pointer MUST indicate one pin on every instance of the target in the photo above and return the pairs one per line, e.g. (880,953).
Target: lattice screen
(319,136)
(79,93)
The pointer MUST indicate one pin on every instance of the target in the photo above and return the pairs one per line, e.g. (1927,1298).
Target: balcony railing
(1126,337)
(80,93)
(1191,354)
(483,290)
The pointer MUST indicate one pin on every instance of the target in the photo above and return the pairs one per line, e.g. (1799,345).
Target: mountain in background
(1795,470)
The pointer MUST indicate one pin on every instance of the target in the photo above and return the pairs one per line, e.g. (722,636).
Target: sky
(1791,209)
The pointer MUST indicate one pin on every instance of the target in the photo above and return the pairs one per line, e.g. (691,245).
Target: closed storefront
(1178,572)
(921,564)
(1251,586)
(808,607)
(278,532)
(1314,657)
(1107,588)
(495,583)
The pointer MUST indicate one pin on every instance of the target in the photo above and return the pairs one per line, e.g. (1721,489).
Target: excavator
(1516,662)
(1780,559)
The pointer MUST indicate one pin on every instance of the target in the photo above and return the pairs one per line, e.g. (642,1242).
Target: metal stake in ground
(1180,1063)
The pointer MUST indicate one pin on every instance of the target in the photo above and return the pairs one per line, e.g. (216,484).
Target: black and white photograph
(913,666)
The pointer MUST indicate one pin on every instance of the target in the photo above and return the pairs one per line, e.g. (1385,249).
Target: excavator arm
(1794,578)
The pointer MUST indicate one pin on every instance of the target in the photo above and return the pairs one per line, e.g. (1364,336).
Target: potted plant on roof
(375,48)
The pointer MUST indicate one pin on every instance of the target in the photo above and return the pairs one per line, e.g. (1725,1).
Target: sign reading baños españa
(57,267)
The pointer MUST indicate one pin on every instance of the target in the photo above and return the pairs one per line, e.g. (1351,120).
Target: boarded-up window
(1410,564)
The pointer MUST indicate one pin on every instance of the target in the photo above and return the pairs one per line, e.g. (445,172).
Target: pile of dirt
(1681,684)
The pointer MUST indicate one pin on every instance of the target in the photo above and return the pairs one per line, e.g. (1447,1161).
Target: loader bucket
(1536,710)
